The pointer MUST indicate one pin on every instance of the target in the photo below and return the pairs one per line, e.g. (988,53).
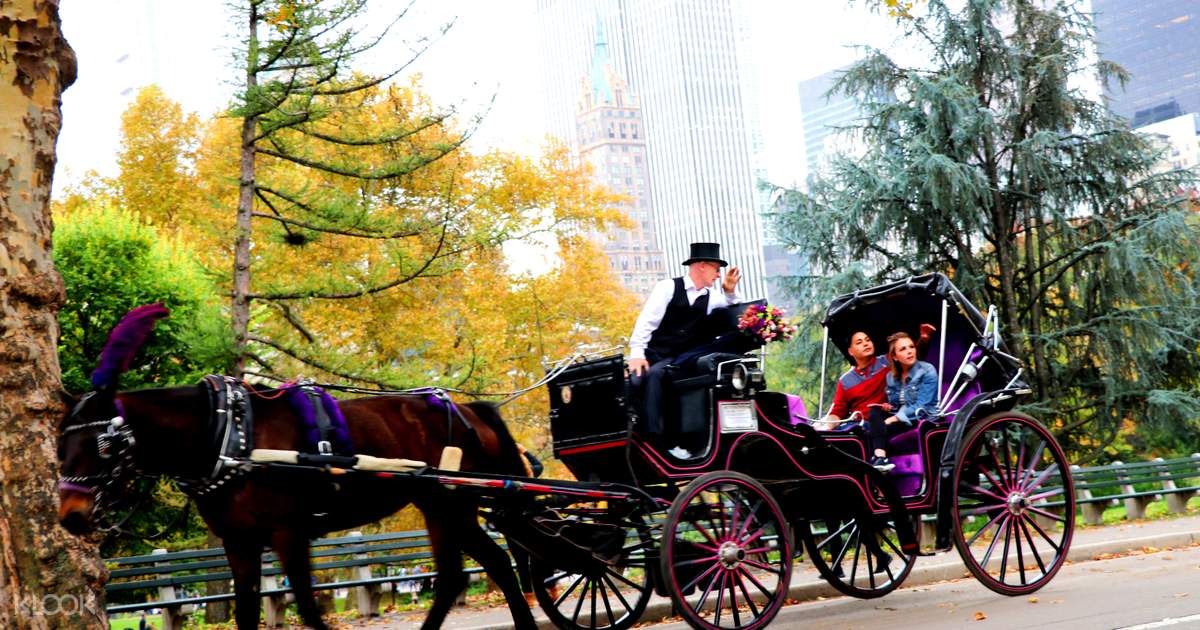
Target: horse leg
(447,558)
(521,559)
(245,562)
(292,549)
(492,558)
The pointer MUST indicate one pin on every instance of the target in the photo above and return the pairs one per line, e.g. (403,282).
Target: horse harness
(231,431)
(115,443)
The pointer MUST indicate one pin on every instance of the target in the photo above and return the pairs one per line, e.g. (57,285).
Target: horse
(108,437)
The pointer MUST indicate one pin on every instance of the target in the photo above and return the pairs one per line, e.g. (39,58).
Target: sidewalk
(1090,543)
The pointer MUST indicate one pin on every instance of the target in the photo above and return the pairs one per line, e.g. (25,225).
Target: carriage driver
(673,321)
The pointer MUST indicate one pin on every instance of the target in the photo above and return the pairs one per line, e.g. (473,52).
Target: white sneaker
(680,453)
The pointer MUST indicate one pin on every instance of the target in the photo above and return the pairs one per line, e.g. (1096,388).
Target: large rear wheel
(726,553)
(1014,505)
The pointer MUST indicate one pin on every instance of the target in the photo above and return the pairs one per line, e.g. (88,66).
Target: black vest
(682,326)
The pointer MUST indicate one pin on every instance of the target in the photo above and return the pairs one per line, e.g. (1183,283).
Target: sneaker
(680,453)
(882,464)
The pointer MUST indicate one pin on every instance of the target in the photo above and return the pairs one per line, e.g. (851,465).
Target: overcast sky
(186,48)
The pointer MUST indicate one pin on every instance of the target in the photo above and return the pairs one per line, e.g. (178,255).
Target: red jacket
(856,389)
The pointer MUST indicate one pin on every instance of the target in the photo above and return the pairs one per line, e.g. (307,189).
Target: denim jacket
(917,396)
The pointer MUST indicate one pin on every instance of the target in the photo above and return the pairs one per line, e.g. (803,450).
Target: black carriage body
(594,427)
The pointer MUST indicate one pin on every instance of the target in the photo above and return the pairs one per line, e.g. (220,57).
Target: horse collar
(231,428)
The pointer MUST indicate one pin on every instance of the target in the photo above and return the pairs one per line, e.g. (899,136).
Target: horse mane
(124,341)
(490,413)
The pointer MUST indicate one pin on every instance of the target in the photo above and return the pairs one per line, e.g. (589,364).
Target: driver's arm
(647,322)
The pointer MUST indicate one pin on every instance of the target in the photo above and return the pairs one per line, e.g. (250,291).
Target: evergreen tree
(993,164)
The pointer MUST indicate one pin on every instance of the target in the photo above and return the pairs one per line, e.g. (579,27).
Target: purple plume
(124,341)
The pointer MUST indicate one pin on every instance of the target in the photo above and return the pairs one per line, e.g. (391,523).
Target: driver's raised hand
(638,367)
(732,277)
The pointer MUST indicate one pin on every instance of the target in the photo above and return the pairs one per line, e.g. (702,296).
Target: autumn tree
(48,578)
(993,164)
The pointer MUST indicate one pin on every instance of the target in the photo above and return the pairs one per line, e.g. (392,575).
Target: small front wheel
(726,553)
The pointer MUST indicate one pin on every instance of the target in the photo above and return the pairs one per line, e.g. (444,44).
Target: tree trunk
(241,250)
(48,578)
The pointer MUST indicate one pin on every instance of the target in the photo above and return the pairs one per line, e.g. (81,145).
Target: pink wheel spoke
(708,590)
(1045,536)
(892,545)
(857,547)
(749,519)
(1004,556)
(688,563)
(1049,515)
(1010,475)
(983,509)
(753,580)
(745,593)
(999,467)
(733,605)
(755,536)
(1033,462)
(704,532)
(992,547)
(720,599)
(1032,547)
(697,579)
(1020,554)
(982,490)
(1020,472)
(1045,495)
(1041,478)
(870,566)
(984,529)
(733,519)
(831,536)
(763,567)
(758,550)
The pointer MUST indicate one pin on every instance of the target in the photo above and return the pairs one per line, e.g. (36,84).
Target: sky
(486,62)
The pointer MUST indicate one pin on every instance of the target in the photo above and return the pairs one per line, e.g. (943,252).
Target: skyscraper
(682,59)
(822,115)
(609,133)
(1158,43)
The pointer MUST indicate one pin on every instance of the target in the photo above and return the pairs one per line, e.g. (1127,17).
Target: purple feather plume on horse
(124,341)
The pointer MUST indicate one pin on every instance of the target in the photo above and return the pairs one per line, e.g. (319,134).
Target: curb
(948,566)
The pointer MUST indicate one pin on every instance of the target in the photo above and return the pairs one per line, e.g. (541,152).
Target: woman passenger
(912,394)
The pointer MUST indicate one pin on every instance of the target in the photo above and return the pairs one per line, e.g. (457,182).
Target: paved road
(1125,592)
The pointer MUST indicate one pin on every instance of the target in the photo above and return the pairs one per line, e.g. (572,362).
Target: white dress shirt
(656,306)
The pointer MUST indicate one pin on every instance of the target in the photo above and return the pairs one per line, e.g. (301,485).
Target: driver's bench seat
(690,404)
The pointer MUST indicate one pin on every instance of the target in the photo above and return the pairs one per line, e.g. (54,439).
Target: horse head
(95,443)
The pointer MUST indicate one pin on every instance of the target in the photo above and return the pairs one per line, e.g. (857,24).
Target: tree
(111,261)
(48,578)
(319,144)
(993,164)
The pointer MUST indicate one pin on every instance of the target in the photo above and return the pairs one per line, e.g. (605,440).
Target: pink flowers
(766,323)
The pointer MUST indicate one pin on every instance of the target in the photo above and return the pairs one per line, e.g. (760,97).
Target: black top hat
(705,251)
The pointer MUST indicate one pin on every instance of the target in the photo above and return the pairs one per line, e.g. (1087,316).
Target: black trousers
(879,431)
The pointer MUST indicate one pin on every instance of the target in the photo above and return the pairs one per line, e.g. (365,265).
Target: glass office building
(1158,43)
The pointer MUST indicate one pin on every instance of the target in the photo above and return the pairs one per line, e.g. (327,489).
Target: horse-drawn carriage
(994,481)
(717,532)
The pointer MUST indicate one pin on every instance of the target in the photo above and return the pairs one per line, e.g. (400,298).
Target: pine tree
(993,163)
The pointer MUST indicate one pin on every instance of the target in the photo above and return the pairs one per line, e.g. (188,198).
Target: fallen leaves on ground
(979,616)
(1033,600)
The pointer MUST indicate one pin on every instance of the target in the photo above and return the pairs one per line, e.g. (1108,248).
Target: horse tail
(510,454)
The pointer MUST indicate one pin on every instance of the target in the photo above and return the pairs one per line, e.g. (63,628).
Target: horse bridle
(114,443)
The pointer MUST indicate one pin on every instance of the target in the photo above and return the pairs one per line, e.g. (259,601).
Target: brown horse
(108,437)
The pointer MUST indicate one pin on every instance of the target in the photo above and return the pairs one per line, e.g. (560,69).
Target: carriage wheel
(862,562)
(726,553)
(614,596)
(1009,468)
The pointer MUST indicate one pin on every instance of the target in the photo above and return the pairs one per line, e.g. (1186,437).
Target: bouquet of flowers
(765,323)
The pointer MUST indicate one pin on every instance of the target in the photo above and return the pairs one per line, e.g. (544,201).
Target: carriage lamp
(739,378)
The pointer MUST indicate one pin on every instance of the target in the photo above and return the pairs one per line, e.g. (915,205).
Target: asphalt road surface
(1142,591)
